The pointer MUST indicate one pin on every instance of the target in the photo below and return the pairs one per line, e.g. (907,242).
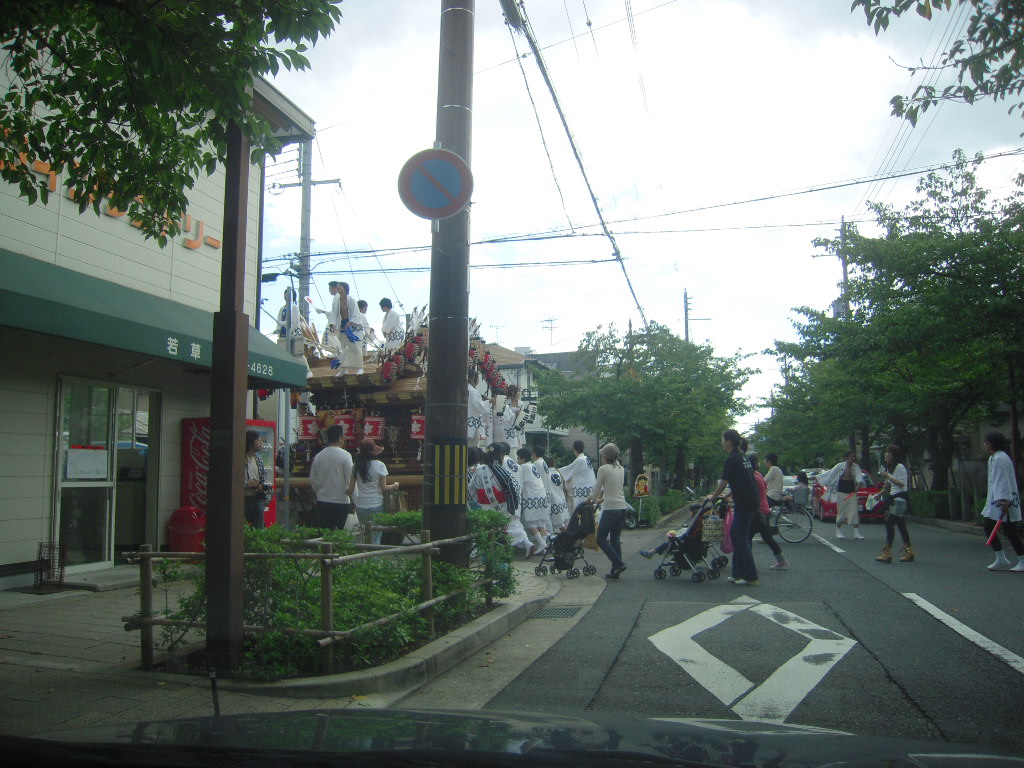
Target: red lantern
(308,428)
(419,426)
(410,350)
(387,371)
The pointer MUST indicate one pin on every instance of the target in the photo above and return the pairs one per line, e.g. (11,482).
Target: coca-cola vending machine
(195,462)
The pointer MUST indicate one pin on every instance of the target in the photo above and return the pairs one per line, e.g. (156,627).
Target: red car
(825,510)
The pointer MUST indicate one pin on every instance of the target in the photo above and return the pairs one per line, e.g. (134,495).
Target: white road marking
(1003,654)
(827,543)
(774,699)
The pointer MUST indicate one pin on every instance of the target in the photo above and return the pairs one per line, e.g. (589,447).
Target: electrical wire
(528,33)
(540,128)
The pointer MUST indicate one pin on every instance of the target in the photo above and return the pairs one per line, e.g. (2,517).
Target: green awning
(42,297)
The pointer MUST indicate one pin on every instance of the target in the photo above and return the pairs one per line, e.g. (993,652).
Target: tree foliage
(987,62)
(132,100)
(648,390)
(936,331)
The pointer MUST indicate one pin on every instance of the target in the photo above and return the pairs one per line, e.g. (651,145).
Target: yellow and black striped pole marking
(449,473)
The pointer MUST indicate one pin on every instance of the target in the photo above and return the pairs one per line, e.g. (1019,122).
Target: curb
(412,671)
(950,525)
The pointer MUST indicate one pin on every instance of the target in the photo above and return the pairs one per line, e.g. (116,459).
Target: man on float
(351,351)
(478,410)
(505,420)
(391,330)
(369,335)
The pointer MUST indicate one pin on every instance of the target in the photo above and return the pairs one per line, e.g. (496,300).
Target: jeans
(367,515)
(743,566)
(254,507)
(608,535)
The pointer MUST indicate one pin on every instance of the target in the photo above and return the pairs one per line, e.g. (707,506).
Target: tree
(649,390)
(937,322)
(132,101)
(987,62)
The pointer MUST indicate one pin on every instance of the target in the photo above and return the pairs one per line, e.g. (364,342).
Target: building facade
(106,347)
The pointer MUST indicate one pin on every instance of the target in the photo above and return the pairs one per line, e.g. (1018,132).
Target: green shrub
(284,594)
(930,504)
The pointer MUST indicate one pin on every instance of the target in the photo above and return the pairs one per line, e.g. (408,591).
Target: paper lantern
(373,427)
(419,426)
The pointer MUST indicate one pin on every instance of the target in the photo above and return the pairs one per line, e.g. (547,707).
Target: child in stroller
(566,547)
(684,549)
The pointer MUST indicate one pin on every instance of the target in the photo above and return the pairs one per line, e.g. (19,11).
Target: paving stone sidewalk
(66,662)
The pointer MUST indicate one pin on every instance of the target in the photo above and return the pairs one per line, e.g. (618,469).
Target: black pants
(1010,529)
(892,522)
(759,524)
(332,515)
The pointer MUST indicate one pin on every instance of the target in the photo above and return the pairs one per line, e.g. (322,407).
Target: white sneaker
(856,535)
(1000,563)
(732,579)
(1019,567)
(839,534)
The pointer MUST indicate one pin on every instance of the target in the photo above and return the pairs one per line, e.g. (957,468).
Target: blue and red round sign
(435,184)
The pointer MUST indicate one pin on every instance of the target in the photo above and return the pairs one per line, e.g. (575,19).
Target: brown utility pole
(224,538)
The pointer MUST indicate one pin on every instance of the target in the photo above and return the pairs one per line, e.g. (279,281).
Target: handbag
(590,541)
(727,533)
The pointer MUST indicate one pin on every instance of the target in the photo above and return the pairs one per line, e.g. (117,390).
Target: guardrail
(326,636)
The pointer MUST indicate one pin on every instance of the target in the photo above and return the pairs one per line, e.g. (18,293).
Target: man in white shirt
(391,330)
(329,477)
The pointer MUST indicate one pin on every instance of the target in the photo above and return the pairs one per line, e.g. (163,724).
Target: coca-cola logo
(198,448)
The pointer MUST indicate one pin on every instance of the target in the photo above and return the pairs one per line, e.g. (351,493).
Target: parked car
(825,509)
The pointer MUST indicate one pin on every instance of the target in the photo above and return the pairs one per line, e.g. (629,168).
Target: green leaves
(988,61)
(132,100)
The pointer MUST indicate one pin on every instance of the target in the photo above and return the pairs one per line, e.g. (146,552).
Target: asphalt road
(932,649)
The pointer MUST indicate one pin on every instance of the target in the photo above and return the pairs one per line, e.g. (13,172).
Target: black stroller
(692,548)
(566,547)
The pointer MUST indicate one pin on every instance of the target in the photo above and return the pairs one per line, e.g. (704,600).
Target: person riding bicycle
(800,496)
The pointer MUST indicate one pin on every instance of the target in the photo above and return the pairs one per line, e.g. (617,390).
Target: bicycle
(790,522)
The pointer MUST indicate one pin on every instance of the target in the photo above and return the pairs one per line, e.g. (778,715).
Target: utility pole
(550,323)
(686,316)
(444,449)
(307,183)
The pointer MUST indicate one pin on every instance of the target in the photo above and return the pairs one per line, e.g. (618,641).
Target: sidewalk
(66,662)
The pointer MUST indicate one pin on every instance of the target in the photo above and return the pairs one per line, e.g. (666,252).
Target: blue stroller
(693,546)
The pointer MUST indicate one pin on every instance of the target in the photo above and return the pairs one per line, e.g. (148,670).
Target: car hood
(418,737)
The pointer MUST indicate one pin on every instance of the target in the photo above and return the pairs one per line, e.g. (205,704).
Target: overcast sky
(695,107)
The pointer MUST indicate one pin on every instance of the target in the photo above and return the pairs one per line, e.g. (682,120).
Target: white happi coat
(482,485)
(580,475)
(478,412)
(392,331)
(559,509)
(536,507)
(502,429)
(1002,484)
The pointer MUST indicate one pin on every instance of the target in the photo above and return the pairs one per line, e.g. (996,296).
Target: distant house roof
(566,362)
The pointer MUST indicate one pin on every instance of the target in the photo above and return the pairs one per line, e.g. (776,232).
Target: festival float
(386,402)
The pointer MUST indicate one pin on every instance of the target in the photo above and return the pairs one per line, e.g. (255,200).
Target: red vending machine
(195,461)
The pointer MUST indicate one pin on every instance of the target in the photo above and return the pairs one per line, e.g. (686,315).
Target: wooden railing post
(428,580)
(146,605)
(327,604)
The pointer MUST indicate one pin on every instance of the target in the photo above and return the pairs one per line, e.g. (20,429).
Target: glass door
(85,478)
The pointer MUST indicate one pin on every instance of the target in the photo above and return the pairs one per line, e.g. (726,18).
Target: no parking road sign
(435,184)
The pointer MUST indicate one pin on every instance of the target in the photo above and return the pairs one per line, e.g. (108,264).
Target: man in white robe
(391,330)
(579,474)
(478,411)
(1002,504)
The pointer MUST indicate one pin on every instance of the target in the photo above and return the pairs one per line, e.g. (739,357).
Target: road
(931,649)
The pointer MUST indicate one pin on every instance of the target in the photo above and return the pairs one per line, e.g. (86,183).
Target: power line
(527,30)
